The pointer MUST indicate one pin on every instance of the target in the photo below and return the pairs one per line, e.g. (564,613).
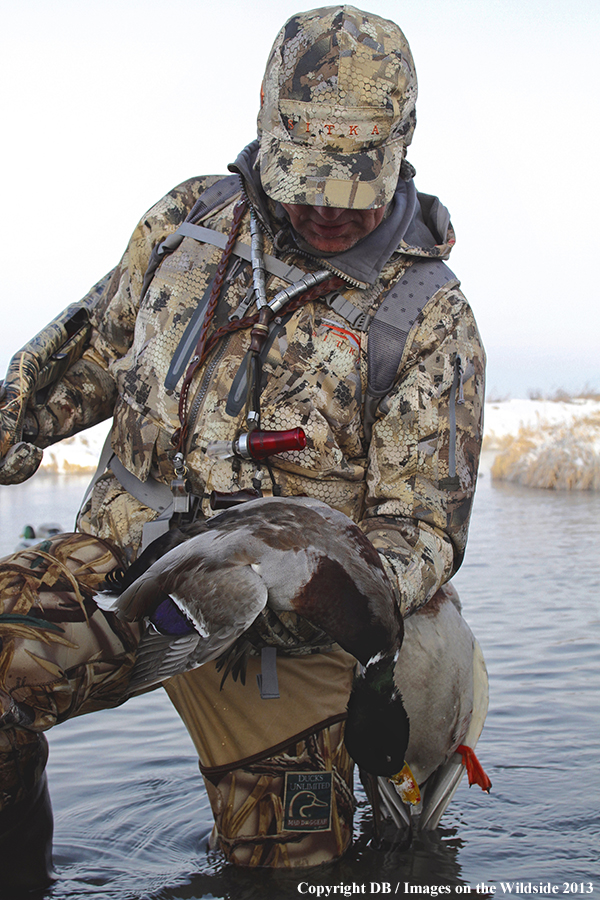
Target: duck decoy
(292,554)
(31,536)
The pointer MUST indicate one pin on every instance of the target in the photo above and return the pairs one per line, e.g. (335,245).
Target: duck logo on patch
(307,801)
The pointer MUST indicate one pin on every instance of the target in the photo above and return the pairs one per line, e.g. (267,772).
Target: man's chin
(329,245)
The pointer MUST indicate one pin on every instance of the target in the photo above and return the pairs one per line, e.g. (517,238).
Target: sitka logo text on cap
(299,128)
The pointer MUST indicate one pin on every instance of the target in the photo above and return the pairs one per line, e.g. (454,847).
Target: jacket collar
(362,263)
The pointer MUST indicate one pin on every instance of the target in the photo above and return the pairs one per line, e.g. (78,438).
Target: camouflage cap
(338,109)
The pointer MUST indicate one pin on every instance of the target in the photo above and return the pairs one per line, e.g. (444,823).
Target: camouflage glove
(18,459)
(38,365)
(20,463)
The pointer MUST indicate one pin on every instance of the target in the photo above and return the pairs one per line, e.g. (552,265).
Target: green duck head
(377,728)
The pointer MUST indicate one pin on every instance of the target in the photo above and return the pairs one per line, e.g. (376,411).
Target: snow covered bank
(507,418)
(540,443)
(545,443)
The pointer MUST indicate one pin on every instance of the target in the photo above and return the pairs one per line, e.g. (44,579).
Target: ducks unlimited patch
(307,801)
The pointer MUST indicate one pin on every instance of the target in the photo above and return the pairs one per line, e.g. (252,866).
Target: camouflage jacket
(398,485)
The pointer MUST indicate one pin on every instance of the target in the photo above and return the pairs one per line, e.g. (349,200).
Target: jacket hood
(416,225)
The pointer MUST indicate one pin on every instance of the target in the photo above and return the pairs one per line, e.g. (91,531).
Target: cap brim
(295,173)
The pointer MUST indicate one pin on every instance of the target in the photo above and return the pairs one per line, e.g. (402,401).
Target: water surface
(131,814)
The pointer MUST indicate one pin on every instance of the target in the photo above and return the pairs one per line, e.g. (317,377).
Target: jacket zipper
(203,389)
(456,397)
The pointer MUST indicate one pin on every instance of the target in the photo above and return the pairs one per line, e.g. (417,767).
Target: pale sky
(107,105)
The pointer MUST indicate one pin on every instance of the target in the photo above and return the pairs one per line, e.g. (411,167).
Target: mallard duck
(294,554)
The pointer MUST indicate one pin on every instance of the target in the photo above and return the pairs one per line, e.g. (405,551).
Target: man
(376,356)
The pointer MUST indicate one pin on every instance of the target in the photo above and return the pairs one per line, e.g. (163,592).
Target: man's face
(330,229)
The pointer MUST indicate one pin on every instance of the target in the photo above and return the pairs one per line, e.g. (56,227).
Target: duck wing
(215,589)
(160,656)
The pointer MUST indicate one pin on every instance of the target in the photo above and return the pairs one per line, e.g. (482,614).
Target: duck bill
(406,784)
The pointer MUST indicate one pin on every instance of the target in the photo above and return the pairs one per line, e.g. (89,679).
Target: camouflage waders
(60,656)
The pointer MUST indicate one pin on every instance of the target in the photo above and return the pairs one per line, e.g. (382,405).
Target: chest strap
(395,317)
(219,239)
(215,197)
(391,325)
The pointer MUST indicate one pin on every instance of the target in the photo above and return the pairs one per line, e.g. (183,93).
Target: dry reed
(556,457)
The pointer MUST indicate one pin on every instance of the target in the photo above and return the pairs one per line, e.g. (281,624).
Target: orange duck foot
(475,772)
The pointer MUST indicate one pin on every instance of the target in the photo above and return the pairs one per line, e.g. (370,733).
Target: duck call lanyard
(256,444)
